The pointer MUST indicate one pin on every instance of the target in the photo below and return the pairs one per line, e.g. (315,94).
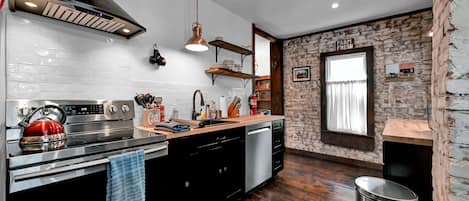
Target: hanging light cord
(197,11)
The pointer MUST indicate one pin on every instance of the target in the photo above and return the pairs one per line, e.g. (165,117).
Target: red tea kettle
(43,129)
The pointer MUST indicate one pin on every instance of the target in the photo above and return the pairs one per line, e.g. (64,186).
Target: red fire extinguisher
(2,2)
(253,104)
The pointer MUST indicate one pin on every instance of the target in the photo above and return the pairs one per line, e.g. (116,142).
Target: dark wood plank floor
(310,179)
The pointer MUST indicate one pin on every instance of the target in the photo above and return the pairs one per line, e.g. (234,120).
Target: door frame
(275,43)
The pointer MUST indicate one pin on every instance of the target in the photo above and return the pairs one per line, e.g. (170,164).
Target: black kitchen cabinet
(278,146)
(409,165)
(208,166)
(93,186)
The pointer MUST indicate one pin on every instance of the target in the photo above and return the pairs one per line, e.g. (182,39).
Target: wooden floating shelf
(261,89)
(266,77)
(229,73)
(230,47)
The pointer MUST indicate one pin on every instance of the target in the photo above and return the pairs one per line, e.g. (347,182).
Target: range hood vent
(103,15)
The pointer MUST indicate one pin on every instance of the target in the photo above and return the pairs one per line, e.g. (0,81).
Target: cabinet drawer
(277,162)
(195,144)
(277,142)
(277,124)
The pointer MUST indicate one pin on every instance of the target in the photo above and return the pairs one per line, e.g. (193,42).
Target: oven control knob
(125,108)
(113,109)
(23,111)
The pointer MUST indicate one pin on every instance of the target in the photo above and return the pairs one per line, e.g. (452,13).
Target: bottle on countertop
(160,107)
(175,113)
(162,115)
(203,113)
(213,110)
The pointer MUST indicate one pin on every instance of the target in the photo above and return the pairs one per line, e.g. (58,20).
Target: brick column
(450,100)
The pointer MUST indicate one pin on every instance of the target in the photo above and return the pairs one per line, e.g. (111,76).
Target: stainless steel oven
(76,168)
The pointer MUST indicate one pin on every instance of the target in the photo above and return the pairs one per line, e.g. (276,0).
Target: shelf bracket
(214,77)
(217,51)
(242,59)
(245,82)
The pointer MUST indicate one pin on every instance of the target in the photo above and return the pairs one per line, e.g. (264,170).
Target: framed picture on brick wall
(400,72)
(301,74)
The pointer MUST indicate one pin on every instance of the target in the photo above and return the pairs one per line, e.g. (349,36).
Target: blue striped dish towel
(126,177)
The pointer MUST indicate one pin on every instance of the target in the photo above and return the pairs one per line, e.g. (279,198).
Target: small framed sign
(301,74)
(345,44)
(400,72)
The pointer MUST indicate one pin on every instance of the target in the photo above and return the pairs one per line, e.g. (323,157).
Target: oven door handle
(76,166)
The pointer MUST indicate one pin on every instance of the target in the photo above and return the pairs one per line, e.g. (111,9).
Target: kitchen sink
(211,122)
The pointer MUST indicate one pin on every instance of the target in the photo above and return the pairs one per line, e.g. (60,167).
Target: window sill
(348,140)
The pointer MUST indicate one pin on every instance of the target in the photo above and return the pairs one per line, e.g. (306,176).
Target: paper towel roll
(223,107)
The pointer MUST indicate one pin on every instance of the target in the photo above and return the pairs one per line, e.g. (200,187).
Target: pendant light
(197,43)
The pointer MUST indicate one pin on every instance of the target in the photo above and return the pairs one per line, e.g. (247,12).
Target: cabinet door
(187,181)
(157,179)
(209,167)
(231,164)
(277,162)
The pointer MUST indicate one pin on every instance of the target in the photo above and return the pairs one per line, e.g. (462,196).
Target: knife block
(234,114)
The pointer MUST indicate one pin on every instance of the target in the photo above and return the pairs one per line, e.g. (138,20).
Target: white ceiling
(287,18)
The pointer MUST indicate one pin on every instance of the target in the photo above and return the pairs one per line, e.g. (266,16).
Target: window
(347,98)
(346,93)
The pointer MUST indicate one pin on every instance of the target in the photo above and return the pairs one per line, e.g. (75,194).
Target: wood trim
(276,55)
(264,34)
(360,23)
(347,161)
(365,143)
(253,58)
(276,81)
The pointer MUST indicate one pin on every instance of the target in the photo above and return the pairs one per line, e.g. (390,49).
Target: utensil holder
(151,117)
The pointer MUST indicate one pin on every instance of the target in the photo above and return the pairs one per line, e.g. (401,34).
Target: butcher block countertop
(240,122)
(408,131)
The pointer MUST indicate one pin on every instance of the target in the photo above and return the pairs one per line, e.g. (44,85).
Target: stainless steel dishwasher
(258,155)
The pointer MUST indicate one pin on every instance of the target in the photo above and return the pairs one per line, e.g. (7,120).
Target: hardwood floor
(310,179)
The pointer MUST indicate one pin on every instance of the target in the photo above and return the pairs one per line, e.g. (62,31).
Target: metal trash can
(378,189)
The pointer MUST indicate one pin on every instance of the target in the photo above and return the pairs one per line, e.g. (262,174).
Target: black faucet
(194,113)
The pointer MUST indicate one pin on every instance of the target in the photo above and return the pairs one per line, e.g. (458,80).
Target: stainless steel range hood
(103,15)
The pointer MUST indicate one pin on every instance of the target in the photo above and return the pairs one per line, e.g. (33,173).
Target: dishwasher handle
(259,130)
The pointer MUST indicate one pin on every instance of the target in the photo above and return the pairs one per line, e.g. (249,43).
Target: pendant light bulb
(197,43)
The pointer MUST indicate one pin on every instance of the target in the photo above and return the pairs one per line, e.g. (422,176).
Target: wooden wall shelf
(230,47)
(229,73)
(220,44)
(262,89)
(265,77)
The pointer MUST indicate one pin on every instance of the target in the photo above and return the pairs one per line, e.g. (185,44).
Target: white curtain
(346,91)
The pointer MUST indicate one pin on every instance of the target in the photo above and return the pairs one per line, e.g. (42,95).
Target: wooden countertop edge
(240,122)
(408,140)
(408,131)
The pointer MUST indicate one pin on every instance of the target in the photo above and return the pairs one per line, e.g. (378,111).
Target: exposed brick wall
(450,90)
(439,75)
(397,40)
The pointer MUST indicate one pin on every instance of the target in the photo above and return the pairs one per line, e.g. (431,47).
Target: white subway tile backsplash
(48,59)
